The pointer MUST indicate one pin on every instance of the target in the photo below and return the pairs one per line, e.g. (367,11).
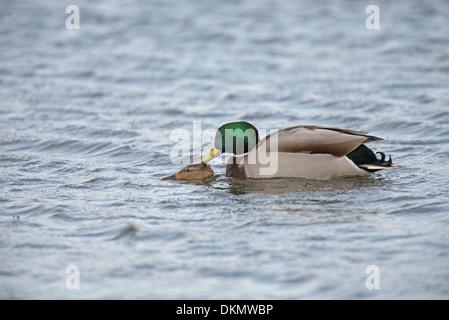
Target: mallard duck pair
(311,152)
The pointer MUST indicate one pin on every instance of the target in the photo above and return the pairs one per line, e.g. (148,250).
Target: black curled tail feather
(366,159)
(382,162)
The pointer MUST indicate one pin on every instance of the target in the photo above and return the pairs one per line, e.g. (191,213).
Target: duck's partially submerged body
(192,172)
(311,152)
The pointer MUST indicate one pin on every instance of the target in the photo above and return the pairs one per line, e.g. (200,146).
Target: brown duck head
(192,172)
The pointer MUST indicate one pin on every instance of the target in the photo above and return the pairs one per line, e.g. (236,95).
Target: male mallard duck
(311,152)
(192,172)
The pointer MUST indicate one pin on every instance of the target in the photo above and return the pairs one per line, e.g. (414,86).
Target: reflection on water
(295,185)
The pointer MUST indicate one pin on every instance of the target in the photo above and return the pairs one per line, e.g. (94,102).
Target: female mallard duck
(311,152)
(192,172)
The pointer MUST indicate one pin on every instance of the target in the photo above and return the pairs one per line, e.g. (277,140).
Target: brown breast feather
(235,170)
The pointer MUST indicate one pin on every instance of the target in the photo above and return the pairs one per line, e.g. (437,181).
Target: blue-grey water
(88,119)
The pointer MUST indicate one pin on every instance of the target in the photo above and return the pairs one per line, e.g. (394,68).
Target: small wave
(89,183)
(20,210)
(103,149)
(129,231)
(73,146)
(172,111)
(117,151)
(113,133)
(441,117)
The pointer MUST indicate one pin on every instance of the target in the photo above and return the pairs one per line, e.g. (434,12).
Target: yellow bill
(212,154)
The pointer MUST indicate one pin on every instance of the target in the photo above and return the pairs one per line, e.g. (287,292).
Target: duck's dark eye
(188,170)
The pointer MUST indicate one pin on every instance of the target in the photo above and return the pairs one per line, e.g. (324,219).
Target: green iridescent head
(234,137)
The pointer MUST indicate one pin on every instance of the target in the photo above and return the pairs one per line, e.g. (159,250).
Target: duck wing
(316,139)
